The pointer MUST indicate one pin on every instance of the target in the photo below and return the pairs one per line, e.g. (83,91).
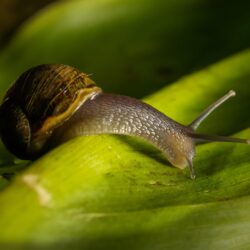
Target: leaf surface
(112,192)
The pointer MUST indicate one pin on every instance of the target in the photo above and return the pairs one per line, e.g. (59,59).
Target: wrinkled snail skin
(52,103)
(117,114)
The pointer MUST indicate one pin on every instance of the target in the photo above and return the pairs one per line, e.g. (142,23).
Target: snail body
(52,103)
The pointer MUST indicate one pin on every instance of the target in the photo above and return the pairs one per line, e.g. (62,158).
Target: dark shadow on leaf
(145,148)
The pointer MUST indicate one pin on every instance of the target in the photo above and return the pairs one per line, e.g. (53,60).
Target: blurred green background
(13,13)
(131,47)
(179,55)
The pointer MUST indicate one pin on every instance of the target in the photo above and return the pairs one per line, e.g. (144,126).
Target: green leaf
(115,192)
(110,192)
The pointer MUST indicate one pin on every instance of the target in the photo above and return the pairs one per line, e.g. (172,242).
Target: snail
(52,103)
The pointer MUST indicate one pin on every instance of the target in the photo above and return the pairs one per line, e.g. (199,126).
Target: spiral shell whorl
(48,89)
(46,96)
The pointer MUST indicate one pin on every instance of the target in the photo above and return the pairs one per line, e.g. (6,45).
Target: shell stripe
(54,121)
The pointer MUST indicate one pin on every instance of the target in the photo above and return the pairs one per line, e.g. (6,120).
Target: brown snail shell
(40,100)
(52,103)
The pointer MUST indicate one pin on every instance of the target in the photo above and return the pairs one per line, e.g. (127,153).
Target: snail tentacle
(52,103)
